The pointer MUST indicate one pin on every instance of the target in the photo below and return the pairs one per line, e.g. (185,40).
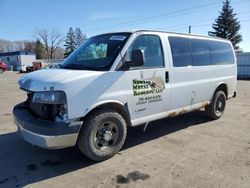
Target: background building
(18,60)
(243,62)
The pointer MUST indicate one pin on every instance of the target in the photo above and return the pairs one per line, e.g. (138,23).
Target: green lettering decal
(148,86)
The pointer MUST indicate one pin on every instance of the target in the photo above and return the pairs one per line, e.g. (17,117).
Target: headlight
(49,97)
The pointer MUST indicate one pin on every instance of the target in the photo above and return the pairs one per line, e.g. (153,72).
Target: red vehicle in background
(3,67)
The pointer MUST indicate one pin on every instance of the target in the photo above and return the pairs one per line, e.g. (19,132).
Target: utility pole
(189,29)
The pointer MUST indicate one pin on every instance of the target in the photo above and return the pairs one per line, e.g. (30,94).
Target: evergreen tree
(227,25)
(39,50)
(70,42)
(80,37)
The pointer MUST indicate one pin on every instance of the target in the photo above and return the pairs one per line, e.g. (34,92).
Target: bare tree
(7,46)
(29,46)
(10,46)
(18,45)
(59,53)
(56,40)
(51,40)
(43,36)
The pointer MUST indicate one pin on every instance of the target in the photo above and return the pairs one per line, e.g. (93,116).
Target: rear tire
(102,134)
(216,109)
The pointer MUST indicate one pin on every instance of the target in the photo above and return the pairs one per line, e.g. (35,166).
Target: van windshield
(97,53)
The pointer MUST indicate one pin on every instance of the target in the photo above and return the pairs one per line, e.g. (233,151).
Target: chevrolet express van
(123,79)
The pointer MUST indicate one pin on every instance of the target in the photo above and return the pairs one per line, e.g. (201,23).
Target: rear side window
(220,53)
(151,44)
(200,52)
(181,51)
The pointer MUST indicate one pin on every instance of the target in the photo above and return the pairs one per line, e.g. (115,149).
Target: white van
(116,80)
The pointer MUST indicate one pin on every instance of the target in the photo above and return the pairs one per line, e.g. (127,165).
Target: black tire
(216,109)
(102,134)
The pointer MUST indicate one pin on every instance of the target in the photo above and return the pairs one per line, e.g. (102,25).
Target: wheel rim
(106,135)
(220,105)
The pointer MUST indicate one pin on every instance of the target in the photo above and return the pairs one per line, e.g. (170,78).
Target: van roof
(160,31)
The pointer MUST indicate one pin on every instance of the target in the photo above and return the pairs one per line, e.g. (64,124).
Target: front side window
(181,51)
(97,53)
(151,44)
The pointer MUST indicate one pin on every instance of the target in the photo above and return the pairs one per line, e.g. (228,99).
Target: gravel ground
(185,151)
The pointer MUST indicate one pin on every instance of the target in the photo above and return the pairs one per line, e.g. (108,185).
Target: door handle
(166,77)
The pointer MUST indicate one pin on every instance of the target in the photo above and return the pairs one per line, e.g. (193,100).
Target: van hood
(54,79)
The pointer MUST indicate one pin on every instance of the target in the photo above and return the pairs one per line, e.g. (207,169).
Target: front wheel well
(121,109)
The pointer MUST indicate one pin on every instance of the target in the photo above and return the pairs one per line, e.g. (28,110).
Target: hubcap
(106,136)
(220,104)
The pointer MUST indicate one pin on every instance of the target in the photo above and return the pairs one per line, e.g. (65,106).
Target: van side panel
(194,83)
(192,86)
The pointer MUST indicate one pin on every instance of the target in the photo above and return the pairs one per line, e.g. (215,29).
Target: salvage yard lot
(185,151)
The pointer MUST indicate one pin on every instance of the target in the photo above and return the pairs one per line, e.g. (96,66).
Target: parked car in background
(3,67)
(40,65)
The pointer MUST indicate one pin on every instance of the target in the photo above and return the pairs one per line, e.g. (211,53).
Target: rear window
(181,51)
(220,53)
(199,52)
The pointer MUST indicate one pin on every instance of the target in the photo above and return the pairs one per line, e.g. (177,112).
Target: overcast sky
(20,18)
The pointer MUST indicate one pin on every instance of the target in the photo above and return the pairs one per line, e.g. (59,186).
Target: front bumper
(43,133)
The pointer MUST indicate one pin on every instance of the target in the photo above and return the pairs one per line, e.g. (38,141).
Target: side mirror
(137,58)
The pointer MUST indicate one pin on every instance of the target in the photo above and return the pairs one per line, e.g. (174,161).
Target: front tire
(102,134)
(216,109)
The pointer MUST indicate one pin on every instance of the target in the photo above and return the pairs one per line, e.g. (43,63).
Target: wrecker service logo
(153,85)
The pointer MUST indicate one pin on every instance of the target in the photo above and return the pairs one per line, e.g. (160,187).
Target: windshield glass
(97,53)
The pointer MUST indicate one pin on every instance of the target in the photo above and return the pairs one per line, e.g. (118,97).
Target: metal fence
(243,62)
(51,61)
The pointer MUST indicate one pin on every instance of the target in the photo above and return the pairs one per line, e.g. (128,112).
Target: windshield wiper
(73,66)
